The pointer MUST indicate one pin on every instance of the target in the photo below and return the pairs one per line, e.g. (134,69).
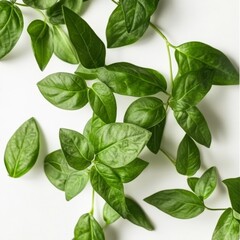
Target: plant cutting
(106,154)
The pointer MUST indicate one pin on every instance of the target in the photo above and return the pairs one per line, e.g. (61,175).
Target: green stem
(115,2)
(21,4)
(93,200)
(168,156)
(215,209)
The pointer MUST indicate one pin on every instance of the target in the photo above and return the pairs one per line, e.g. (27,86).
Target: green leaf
(154,142)
(22,149)
(42,42)
(138,12)
(86,73)
(64,90)
(178,203)
(192,181)
(228,228)
(233,186)
(76,148)
(145,112)
(63,47)
(40,4)
(90,49)
(11,26)
(109,214)
(194,124)
(103,102)
(118,144)
(206,183)
(108,185)
(55,13)
(190,88)
(130,171)
(131,80)
(192,56)
(188,157)
(87,228)
(75,183)
(117,34)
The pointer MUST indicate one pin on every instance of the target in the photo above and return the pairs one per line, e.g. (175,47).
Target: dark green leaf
(90,49)
(206,183)
(109,214)
(11,26)
(145,112)
(103,102)
(76,148)
(192,56)
(42,42)
(128,79)
(228,228)
(40,4)
(117,144)
(86,73)
(87,228)
(178,203)
(117,34)
(22,149)
(188,157)
(194,124)
(192,181)
(233,186)
(64,90)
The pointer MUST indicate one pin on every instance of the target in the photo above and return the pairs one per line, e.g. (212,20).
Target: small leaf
(40,4)
(11,26)
(233,186)
(109,214)
(90,49)
(145,112)
(103,102)
(178,203)
(206,183)
(22,149)
(86,73)
(42,42)
(228,228)
(64,90)
(192,181)
(188,157)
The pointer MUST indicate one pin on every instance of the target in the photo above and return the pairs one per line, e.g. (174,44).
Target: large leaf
(64,90)
(128,79)
(90,49)
(192,56)
(117,34)
(22,149)
(42,42)
(117,144)
(178,203)
(40,4)
(11,26)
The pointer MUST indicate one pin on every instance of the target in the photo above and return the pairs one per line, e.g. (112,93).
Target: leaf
(192,181)
(76,148)
(22,149)
(87,228)
(132,170)
(11,26)
(192,56)
(233,186)
(109,214)
(117,34)
(90,49)
(190,88)
(188,157)
(145,112)
(178,203)
(40,4)
(131,80)
(228,228)
(64,90)
(194,124)
(75,183)
(63,47)
(108,185)
(86,73)
(118,144)
(206,183)
(138,12)
(154,142)
(103,102)
(42,42)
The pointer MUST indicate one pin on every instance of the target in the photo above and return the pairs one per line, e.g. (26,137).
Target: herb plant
(106,155)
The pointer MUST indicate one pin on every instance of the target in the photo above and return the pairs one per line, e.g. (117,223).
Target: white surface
(32,209)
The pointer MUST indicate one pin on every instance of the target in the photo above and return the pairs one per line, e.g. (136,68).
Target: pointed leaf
(109,214)
(192,181)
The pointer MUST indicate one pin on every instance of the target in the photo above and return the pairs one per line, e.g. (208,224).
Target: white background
(32,209)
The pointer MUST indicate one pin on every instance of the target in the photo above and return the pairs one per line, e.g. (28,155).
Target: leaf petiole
(168,156)
(215,209)
(93,200)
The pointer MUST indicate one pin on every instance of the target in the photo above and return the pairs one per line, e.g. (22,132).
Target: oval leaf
(40,4)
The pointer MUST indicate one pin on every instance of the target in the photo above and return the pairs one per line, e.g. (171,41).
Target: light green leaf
(86,73)
(109,214)
(40,4)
